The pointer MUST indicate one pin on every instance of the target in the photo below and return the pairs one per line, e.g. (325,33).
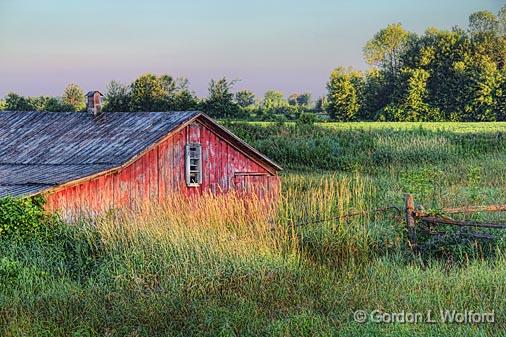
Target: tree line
(150,92)
(440,75)
(455,75)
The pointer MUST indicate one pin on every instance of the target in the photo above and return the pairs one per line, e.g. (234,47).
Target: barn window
(193,164)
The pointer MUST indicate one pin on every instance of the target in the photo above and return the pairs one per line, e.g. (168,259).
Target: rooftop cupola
(94,102)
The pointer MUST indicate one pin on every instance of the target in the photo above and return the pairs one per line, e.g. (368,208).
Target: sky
(288,45)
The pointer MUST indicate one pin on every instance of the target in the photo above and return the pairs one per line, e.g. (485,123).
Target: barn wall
(160,172)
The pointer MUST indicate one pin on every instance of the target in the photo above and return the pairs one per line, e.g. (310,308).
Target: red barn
(94,162)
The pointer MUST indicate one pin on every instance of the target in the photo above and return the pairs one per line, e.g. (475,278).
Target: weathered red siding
(160,172)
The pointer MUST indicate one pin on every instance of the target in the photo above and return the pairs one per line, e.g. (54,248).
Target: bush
(23,217)
(307,118)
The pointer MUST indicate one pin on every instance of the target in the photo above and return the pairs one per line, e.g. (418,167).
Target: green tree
(182,98)
(301,101)
(15,102)
(410,105)
(292,99)
(386,47)
(440,54)
(501,18)
(485,29)
(304,100)
(501,98)
(321,104)
(38,103)
(483,22)
(376,92)
(245,98)
(151,93)
(73,96)
(54,104)
(342,95)
(451,75)
(117,97)
(220,101)
(484,91)
(274,102)
(463,71)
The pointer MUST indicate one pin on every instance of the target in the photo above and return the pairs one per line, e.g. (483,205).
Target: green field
(216,269)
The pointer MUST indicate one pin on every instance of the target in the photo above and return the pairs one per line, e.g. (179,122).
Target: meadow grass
(229,267)
(368,147)
(457,127)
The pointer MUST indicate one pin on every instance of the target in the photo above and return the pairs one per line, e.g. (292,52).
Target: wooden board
(160,172)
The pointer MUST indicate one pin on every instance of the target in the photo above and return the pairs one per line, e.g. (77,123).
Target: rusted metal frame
(424,227)
(484,236)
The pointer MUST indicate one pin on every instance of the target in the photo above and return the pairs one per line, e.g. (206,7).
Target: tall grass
(198,246)
(317,209)
(137,272)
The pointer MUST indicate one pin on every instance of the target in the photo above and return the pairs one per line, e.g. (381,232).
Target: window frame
(189,156)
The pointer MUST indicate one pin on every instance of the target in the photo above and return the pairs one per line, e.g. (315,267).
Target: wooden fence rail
(413,216)
(475,209)
(442,221)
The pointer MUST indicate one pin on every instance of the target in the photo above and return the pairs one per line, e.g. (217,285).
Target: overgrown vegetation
(24,217)
(218,267)
(374,146)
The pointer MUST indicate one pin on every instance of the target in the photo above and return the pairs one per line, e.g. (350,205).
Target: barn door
(244,183)
(252,184)
(262,188)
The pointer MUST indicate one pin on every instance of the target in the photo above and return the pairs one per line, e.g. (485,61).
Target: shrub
(9,271)
(23,217)
(307,118)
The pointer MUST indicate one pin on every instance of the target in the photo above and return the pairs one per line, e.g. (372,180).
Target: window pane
(193,164)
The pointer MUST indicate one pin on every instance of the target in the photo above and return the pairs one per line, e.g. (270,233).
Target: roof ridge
(104,112)
(60,164)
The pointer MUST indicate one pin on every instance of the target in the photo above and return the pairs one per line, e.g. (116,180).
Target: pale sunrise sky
(287,45)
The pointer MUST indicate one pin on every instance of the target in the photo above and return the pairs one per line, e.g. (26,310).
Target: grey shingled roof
(39,150)
(91,93)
